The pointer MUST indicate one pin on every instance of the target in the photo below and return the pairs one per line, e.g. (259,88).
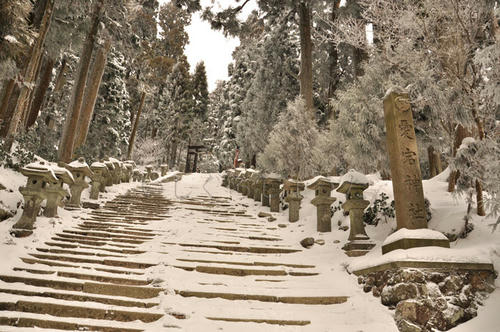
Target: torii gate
(193,150)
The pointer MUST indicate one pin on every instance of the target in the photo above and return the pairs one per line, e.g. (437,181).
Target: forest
(110,78)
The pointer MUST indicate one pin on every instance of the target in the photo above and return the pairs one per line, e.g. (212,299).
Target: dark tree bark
(4,106)
(91,92)
(69,132)
(305,75)
(29,76)
(460,133)
(40,92)
(134,128)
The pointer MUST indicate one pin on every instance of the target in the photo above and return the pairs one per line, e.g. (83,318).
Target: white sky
(211,46)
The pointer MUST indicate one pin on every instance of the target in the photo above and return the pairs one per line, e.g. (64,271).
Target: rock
(5,214)
(307,242)
(412,275)
(271,219)
(418,312)
(406,326)
(264,214)
(320,242)
(482,282)
(344,228)
(2,187)
(391,295)
(451,285)
(282,225)
(336,241)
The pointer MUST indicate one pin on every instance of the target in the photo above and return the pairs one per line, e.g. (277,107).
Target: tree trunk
(460,133)
(40,92)
(479,199)
(333,58)
(134,128)
(432,161)
(60,79)
(173,154)
(29,76)
(73,114)
(4,106)
(305,75)
(91,92)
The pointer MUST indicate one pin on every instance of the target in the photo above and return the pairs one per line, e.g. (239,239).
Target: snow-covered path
(188,256)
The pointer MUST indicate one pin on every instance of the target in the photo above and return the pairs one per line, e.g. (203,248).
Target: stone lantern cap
(272,177)
(80,165)
(63,174)
(99,166)
(293,185)
(149,167)
(348,187)
(128,166)
(39,169)
(322,182)
(129,162)
(114,161)
(109,165)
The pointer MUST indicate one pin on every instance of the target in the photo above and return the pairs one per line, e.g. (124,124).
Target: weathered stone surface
(322,188)
(403,157)
(264,214)
(5,214)
(399,292)
(307,242)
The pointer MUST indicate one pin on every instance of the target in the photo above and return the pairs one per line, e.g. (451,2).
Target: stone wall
(430,299)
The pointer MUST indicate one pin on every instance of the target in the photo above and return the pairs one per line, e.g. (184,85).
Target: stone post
(149,173)
(250,186)
(111,170)
(243,183)
(39,177)
(405,172)
(225,179)
(164,169)
(322,187)
(80,170)
(128,172)
(257,186)
(353,185)
(55,192)
(293,189)
(98,179)
(265,193)
(136,175)
(117,171)
(273,185)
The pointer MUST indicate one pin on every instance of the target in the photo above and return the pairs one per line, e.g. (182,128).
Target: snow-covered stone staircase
(89,277)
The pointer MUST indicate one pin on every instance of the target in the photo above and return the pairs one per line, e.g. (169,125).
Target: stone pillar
(293,189)
(225,179)
(265,193)
(80,170)
(136,175)
(164,169)
(403,157)
(322,201)
(355,205)
(39,177)
(273,185)
(243,187)
(149,171)
(257,188)
(111,170)
(55,192)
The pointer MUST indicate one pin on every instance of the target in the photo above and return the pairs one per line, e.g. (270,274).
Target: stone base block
(407,243)
(358,248)
(17,232)
(438,266)
(91,205)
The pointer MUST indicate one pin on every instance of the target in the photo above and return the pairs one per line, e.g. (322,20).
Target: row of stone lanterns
(46,183)
(267,188)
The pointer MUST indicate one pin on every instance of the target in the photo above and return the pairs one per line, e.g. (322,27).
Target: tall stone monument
(406,175)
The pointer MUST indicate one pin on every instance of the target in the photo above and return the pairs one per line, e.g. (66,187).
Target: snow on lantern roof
(40,169)
(63,174)
(97,164)
(322,181)
(80,165)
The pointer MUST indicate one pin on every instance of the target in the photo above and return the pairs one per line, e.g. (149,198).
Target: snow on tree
(291,143)
(200,90)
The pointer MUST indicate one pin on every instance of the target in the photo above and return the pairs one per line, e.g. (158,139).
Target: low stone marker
(154,175)
(128,171)
(405,168)
(293,189)
(265,193)
(225,182)
(322,187)
(242,187)
(39,177)
(98,179)
(249,182)
(353,185)
(55,191)
(80,170)
(149,171)
(164,169)
(136,175)
(273,183)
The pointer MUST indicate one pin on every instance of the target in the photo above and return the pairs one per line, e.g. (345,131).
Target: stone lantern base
(414,238)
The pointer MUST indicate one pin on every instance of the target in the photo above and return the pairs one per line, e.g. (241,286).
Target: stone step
(123,231)
(107,262)
(262,320)
(84,276)
(84,241)
(309,300)
(76,252)
(137,292)
(44,323)
(74,246)
(63,310)
(259,250)
(109,235)
(79,297)
(300,266)
(98,238)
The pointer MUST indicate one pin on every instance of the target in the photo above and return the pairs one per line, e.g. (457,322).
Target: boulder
(307,242)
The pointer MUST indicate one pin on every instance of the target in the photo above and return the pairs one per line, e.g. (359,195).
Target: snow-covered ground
(361,312)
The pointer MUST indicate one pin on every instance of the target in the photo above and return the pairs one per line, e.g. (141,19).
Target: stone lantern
(149,171)
(55,192)
(111,171)
(272,184)
(236,179)
(225,179)
(136,175)
(98,178)
(242,188)
(117,171)
(359,242)
(250,186)
(80,171)
(322,187)
(39,177)
(293,189)
(164,169)
(128,171)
